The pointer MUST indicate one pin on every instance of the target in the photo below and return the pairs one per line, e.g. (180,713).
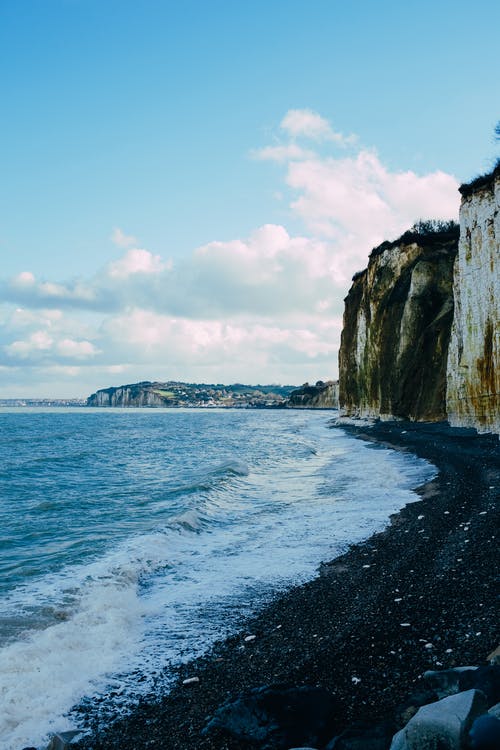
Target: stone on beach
(443,724)
(191,681)
(278,717)
(446,681)
(363,736)
(487,679)
(62,740)
(485,733)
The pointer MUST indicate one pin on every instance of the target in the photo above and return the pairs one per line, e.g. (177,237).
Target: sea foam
(236,529)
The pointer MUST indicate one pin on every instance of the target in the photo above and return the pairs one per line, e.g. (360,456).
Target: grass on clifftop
(426,232)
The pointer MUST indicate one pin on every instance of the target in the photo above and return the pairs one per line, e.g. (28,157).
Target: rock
(363,736)
(485,733)
(447,681)
(62,740)
(473,374)
(191,681)
(397,325)
(278,717)
(494,657)
(486,679)
(495,711)
(405,711)
(399,741)
(319,396)
(443,725)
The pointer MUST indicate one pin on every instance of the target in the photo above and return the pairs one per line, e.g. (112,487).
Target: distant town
(47,402)
(173,394)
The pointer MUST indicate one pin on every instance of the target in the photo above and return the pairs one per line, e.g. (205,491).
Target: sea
(132,539)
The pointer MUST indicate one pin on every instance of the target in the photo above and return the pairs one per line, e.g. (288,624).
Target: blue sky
(187,187)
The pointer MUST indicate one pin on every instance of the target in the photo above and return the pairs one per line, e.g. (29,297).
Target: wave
(210,477)
(163,595)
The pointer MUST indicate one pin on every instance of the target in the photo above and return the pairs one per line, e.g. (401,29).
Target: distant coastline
(42,402)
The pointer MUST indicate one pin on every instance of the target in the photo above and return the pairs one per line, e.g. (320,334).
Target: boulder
(485,733)
(363,736)
(278,717)
(62,740)
(443,725)
(495,711)
(405,711)
(494,657)
(486,679)
(447,681)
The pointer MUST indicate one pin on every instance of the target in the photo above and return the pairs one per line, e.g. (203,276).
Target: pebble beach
(420,595)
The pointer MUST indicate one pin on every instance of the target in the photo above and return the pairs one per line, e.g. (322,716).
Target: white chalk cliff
(473,369)
(421,336)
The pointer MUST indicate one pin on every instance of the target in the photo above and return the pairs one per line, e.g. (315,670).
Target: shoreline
(432,569)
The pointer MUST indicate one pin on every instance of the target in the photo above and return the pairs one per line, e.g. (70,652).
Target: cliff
(473,364)
(319,396)
(173,393)
(397,323)
(136,394)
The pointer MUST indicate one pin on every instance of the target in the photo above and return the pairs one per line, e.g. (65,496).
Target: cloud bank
(265,307)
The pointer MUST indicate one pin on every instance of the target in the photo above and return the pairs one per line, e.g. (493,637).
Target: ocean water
(130,540)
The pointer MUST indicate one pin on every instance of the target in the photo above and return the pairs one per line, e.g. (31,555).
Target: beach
(418,596)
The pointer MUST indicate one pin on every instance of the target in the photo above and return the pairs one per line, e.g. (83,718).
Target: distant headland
(201,395)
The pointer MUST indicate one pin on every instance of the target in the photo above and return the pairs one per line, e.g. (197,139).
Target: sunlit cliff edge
(421,327)
(473,371)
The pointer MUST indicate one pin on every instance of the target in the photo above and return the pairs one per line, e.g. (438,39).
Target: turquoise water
(132,539)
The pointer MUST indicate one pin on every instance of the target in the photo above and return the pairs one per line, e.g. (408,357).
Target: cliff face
(397,321)
(319,396)
(138,394)
(473,364)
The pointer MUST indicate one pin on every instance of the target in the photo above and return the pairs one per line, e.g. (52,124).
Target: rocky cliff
(397,322)
(136,394)
(319,396)
(173,393)
(473,364)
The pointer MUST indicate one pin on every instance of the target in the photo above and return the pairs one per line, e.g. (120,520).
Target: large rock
(406,710)
(449,681)
(62,740)
(443,725)
(278,718)
(485,733)
(397,323)
(446,682)
(486,679)
(363,736)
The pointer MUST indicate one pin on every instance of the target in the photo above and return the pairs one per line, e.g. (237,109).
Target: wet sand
(420,595)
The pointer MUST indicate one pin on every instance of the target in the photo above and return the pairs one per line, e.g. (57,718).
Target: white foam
(164,596)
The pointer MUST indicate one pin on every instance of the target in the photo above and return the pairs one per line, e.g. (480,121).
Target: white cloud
(136,260)
(242,346)
(283,153)
(121,239)
(25,278)
(41,344)
(75,349)
(338,196)
(308,124)
(38,341)
(263,307)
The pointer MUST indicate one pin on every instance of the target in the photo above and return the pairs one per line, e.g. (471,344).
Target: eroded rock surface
(473,398)
(397,323)
(319,396)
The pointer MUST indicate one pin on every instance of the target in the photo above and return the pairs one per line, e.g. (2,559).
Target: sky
(188,187)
